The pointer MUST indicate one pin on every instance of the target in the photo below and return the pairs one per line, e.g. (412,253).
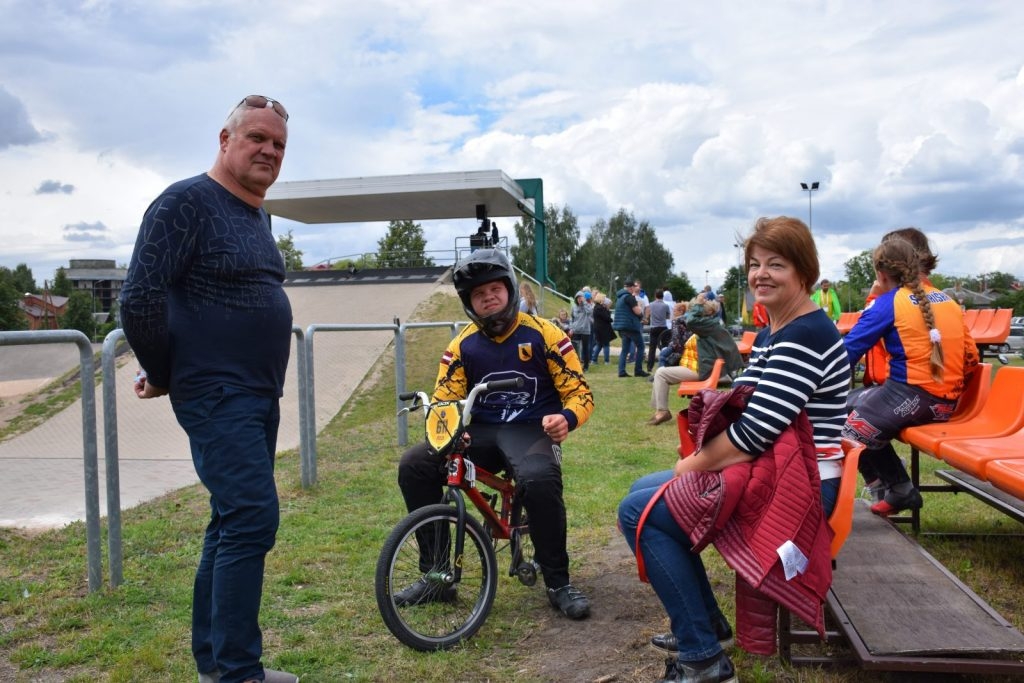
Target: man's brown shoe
(660,417)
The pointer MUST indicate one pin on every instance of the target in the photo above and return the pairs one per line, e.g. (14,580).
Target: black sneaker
(424,591)
(642,374)
(720,670)
(624,374)
(570,601)
(667,641)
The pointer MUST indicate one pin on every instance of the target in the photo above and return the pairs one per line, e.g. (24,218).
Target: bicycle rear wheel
(440,623)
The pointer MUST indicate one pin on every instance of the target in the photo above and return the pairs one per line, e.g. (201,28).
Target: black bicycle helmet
(483,266)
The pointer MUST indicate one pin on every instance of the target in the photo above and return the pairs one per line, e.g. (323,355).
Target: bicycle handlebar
(421,399)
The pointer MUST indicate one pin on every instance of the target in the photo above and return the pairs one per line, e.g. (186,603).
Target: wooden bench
(898,609)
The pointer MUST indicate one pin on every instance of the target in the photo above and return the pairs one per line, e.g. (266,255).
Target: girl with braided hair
(930,352)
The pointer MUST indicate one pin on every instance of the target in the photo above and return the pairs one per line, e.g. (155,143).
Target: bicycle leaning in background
(445,545)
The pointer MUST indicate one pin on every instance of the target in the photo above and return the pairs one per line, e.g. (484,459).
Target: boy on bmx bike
(517,431)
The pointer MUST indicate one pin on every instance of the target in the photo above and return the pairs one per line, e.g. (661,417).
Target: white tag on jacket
(794,562)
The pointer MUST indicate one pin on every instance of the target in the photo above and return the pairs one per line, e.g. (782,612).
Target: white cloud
(697,119)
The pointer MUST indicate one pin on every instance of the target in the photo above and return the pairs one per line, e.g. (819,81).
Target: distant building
(971,299)
(43,310)
(100,278)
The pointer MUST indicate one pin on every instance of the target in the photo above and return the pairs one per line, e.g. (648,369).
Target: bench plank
(899,601)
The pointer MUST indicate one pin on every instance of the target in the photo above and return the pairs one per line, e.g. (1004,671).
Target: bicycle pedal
(526,572)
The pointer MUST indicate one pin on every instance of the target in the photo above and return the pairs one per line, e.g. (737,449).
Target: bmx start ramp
(42,471)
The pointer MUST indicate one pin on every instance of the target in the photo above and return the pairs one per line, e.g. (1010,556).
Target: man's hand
(144,389)
(556,427)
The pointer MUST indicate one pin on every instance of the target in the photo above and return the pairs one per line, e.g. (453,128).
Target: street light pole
(740,285)
(810,214)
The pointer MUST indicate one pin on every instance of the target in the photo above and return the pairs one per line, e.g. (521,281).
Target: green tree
(623,248)
(24,281)
(11,317)
(563,233)
(998,281)
(61,285)
(291,255)
(860,272)
(403,246)
(681,287)
(78,315)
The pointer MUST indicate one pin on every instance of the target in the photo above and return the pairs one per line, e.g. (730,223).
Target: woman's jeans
(233,438)
(675,572)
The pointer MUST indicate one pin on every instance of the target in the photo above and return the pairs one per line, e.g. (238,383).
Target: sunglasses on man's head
(261,102)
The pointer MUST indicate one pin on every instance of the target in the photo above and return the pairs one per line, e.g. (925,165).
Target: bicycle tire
(436,625)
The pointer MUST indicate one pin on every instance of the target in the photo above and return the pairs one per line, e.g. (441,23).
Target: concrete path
(42,473)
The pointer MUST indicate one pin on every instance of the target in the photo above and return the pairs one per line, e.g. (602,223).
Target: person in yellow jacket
(826,299)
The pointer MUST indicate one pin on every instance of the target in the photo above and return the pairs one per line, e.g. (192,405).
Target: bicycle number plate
(443,426)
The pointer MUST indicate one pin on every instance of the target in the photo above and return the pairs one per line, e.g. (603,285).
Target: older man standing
(204,309)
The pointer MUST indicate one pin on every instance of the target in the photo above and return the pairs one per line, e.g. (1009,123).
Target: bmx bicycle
(446,546)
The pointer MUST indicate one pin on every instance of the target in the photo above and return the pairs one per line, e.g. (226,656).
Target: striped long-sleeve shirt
(803,366)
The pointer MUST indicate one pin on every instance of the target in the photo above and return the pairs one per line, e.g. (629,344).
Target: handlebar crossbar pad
(499,384)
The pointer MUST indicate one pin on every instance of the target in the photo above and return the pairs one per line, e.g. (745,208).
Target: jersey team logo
(525,352)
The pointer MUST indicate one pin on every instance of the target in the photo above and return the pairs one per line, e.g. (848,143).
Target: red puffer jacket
(751,510)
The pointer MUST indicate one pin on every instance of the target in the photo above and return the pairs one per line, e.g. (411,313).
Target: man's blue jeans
(233,437)
(630,339)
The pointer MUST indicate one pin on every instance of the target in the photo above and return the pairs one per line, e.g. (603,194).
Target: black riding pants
(534,462)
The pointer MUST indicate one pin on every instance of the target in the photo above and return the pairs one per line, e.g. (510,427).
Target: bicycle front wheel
(420,549)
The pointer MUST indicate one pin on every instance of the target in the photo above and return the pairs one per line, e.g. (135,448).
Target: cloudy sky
(697,117)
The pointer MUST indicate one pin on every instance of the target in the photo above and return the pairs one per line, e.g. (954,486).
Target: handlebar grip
(407,396)
(499,384)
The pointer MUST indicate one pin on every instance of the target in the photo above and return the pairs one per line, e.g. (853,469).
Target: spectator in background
(580,322)
(827,300)
(671,353)
(603,332)
(626,323)
(759,316)
(641,298)
(563,322)
(527,299)
(658,316)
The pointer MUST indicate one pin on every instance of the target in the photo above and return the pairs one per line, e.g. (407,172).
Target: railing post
(89,453)
(115,551)
(403,424)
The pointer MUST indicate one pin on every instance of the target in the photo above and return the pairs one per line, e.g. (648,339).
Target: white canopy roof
(424,196)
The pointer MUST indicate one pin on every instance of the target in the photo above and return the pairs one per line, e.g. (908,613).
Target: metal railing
(89,451)
(306,408)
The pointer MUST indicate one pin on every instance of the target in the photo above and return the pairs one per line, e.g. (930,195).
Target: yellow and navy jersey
(536,351)
(895,317)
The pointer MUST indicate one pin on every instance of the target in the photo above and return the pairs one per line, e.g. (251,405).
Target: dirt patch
(613,644)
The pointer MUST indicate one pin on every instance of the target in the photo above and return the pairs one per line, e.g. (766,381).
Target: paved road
(42,474)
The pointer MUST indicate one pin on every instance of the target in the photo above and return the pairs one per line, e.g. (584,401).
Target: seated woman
(930,352)
(677,336)
(801,359)
(708,341)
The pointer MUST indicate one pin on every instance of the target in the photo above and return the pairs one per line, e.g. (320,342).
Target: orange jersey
(895,318)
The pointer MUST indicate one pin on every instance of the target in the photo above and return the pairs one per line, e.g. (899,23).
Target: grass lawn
(319,614)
